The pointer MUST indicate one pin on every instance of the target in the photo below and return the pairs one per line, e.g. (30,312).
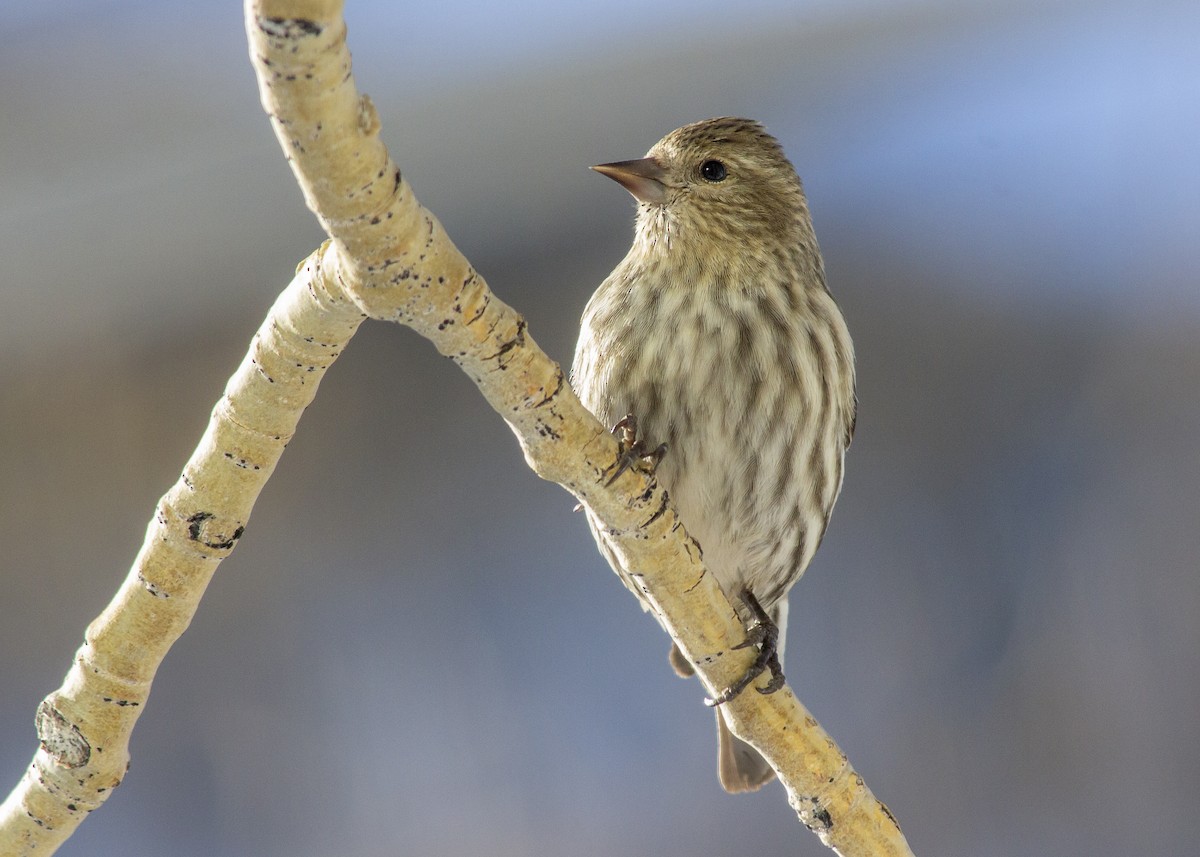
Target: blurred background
(1002,629)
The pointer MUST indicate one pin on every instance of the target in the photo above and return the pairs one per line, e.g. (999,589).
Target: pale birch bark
(389,259)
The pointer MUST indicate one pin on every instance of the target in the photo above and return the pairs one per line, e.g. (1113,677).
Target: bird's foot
(763,634)
(634,454)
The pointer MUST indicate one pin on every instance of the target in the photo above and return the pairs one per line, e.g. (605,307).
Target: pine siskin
(718,334)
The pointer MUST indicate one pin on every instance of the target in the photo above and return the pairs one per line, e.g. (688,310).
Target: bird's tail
(739,765)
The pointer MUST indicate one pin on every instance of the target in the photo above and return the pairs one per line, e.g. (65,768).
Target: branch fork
(389,258)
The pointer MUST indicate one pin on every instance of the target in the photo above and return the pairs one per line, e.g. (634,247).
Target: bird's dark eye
(712,171)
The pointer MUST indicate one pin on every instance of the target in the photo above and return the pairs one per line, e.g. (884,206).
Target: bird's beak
(644,178)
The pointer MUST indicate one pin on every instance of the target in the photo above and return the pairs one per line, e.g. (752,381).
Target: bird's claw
(633,453)
(763,634)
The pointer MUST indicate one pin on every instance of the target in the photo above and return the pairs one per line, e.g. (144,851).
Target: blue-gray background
(416,648)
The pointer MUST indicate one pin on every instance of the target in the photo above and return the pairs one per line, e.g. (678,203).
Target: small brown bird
(717,333)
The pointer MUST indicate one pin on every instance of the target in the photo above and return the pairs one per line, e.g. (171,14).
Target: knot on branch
(368,122)
(60,739)
(208,530)
(289,28)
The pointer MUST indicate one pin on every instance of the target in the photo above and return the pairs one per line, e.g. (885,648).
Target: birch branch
(388,259)
(84,726)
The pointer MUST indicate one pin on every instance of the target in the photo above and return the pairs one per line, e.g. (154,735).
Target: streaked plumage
(717,332)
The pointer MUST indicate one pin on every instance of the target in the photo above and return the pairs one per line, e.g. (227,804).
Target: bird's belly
(747,537)
(740,413)
(727,470)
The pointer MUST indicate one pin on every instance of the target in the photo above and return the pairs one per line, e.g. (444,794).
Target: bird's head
(720,177)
